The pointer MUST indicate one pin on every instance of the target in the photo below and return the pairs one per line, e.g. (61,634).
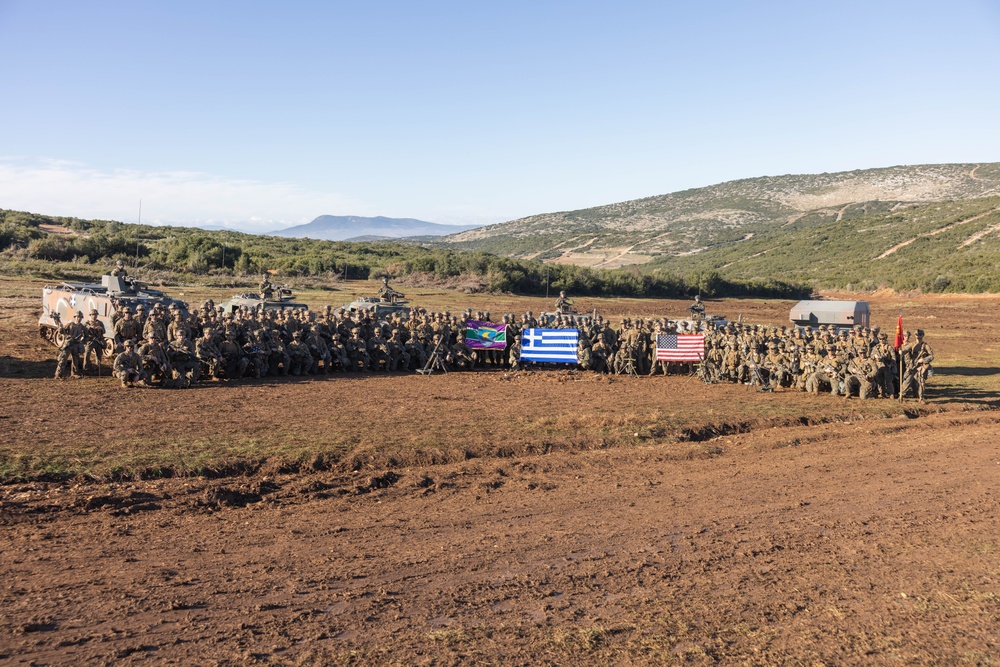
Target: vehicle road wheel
(59,338)
(109,347)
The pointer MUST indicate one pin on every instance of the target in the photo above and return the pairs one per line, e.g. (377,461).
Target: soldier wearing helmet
(71,336)
(128,365)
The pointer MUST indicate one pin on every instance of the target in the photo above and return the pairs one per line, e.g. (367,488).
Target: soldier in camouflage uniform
(94,341)
(155,361)
(73,336)
(127,328)
(298,352)
(187,366)
(128,365)
(209,355)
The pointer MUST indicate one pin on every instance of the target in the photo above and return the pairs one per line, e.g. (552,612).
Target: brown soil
(463,519)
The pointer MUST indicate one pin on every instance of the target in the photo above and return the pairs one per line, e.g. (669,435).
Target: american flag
(683,347)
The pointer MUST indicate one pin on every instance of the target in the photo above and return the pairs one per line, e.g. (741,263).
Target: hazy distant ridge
(344,227)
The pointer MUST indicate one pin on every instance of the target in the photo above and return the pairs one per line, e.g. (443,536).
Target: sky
(263,115)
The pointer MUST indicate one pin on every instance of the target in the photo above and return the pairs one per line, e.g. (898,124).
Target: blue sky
(262,115)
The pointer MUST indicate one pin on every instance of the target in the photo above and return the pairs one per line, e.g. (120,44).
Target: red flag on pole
(899,332)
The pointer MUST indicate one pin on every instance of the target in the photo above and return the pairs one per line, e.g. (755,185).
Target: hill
(345,227)
(694,221)
(951,246)
(70,248)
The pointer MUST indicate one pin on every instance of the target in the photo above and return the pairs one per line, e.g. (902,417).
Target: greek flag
(549,345)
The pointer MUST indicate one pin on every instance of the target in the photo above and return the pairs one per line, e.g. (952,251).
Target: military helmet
(120,263)
(129,343)
(93,311)
(79,315)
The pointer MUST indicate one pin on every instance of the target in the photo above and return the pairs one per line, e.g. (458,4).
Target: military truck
(839,314)
(113,292)
(281,300)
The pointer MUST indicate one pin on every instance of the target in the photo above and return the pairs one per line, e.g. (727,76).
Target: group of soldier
(859,361)
(170,347)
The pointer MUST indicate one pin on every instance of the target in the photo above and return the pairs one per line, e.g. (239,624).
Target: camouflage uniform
(208,353)
(74,334)
(187,366)
(128,365)
(94,340)
(298,352)
(155,361)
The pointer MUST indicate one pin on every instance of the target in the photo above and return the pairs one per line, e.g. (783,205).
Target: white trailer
(841,314)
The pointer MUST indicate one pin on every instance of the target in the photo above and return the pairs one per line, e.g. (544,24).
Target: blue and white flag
(549,345)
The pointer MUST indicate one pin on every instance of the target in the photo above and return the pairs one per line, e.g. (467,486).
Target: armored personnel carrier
(547,318)
(379,309)
(106,297)
(281,299)
(389,302)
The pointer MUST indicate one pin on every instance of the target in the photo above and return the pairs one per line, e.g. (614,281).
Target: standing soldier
(95,341)
(266,288)
(918,357)
(74,334)
(887,362)
(563,305)
(127,328)
(176,325)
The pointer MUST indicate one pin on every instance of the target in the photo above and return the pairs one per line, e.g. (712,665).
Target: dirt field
(536,518)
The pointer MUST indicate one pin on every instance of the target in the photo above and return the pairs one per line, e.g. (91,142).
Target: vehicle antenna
(137,235)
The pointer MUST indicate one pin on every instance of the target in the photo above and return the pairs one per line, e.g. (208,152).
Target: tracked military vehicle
(379,309)
(113,292)
(389,302)
(280,300)
(545,319)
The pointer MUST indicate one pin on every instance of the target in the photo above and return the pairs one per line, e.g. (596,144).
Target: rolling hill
(715,224)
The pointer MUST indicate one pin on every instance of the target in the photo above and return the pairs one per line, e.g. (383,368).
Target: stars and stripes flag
(549,345)
(680,347)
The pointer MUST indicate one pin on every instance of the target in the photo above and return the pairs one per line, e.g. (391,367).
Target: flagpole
(899,356)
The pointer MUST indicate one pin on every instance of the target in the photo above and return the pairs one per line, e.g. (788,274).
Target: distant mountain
(344,227)
(685,225)
(213,228)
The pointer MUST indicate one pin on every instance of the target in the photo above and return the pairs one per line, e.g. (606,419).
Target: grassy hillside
(690,222)
(942,246)
(71,248)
